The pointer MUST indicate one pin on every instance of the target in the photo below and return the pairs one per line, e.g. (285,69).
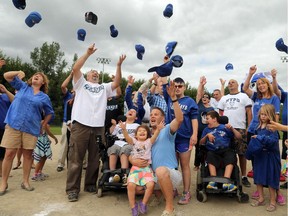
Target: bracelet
(173,101)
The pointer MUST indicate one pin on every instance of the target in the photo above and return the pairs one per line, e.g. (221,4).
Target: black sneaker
(245,182)
(90,189)
(72,197)
(59,169)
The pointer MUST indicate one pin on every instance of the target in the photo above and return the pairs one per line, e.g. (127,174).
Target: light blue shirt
(24,114)
(163,150)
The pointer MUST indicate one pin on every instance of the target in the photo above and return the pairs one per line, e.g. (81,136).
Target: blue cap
(33,18)
(257,76)
(177,61)
(113,31)
(140,51)
(163,70)
(90,17)
(168,12)
(19,4)
(229,66)
(81,33)
(170,47)
(281,46)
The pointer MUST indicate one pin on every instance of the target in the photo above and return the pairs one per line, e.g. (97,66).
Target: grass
(56,130)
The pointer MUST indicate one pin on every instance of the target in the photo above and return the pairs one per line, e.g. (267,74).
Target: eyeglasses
(178,86)
(205,96)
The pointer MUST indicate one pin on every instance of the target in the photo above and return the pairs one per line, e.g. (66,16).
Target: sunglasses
(205,96)
(178,86)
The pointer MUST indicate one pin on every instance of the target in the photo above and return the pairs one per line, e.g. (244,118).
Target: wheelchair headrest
(223,120)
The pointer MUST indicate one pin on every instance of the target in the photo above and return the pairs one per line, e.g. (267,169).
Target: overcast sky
(210,34)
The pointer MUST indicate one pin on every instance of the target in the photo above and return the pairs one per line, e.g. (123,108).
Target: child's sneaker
(124,179)
(185,198)
(255,195)
(229,187)
(142,208)
(212,185)
(250,174)
(280,200)
(135,210)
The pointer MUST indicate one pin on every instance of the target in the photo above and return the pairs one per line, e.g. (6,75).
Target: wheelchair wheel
(243,198)
(99,192)
(201,196)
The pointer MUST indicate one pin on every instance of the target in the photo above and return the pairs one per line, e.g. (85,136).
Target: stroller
(103,182)
(203,177)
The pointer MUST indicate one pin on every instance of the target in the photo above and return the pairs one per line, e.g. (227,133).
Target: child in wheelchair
(217,138)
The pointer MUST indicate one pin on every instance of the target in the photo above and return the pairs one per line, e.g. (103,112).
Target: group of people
(157,154)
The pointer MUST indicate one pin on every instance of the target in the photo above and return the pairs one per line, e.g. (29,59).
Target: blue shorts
(183,145)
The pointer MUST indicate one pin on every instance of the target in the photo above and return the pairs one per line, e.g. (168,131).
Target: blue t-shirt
(285,107)
(163,150)
(24,114)
(222,136)
(4,106)
(258,103)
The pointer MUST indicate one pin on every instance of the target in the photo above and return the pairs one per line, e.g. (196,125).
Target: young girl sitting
(142,144)
(264,148)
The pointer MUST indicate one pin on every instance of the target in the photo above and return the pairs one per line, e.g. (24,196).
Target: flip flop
(4,192)
(18,165)
(29,188)
(257,203)
(271,208)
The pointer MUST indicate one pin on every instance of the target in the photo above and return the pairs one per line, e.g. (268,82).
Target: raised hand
(91,49)
(252,69)
(121,59)
(171,90)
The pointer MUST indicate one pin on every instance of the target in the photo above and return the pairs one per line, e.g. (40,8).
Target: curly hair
(144,127)
(44,87)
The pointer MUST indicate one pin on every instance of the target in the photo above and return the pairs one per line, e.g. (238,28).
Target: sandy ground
(49,198)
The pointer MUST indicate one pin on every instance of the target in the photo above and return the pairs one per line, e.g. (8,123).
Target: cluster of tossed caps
(33,18)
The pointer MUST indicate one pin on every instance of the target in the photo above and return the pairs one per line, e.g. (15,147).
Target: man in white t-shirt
(217,95)
(237,107)
(88,119)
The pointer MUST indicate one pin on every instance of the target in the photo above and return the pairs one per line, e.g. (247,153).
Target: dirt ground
(49,198)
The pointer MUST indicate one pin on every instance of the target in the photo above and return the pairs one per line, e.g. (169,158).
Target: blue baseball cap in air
(177,61)
(113,31)
(168,12)
(33,18)
(170,48)
(229,66)
(140,51)
(281,46)
(19,4)
(163,70)
(81,34)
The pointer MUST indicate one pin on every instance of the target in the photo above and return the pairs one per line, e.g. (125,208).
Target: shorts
(15,139)
(175,176)
(118,150)
(141,176)
(223,156)
(183,145)
(241,144)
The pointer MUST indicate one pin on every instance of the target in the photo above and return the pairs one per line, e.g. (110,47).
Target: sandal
(29,188)
(17,166)
(257,203)
(271,208)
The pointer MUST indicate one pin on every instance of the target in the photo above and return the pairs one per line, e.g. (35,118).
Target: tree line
(50,59)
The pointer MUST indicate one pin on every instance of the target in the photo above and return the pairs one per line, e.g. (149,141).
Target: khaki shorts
(175,177)
(14,139)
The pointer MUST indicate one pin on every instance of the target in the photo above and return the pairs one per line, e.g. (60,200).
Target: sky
(210,34)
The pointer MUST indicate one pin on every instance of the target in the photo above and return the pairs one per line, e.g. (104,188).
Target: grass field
(56,130)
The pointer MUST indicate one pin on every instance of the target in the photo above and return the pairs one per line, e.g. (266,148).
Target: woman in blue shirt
(23,122)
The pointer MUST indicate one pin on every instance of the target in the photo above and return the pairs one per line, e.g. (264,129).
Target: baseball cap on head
(19,4)
(163,70)
(90,17)
(168,12)
(170,48)
(140,51)
(177,61)
(81,34)
(281,46)
(113,31)
(33,18)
